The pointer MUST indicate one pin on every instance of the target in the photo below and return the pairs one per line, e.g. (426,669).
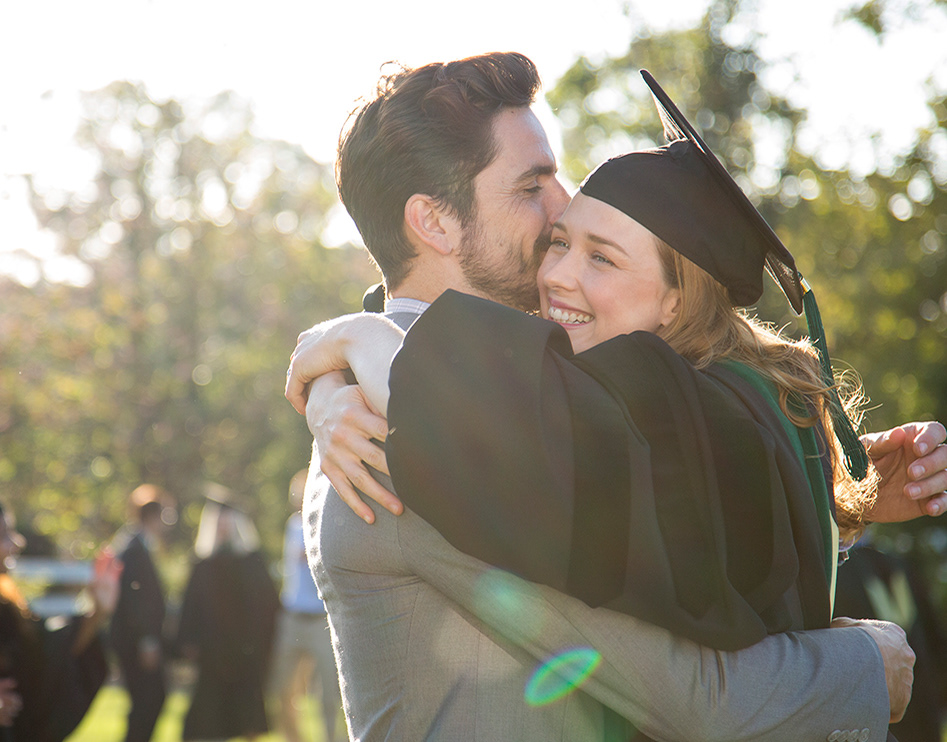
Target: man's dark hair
(150,511)
(428,130)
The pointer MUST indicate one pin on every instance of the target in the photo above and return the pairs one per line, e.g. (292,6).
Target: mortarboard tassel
(856,459)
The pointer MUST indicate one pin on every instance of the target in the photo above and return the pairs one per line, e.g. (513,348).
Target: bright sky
(303,63)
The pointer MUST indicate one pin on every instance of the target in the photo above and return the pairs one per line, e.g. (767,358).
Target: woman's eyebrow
(599,240)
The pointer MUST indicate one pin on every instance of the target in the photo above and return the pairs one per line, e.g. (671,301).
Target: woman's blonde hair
(707,328)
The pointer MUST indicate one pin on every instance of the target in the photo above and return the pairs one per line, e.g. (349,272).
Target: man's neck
(429,278)
(417,291)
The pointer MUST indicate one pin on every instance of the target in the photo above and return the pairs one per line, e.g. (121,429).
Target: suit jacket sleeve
(800,686)
(141,602)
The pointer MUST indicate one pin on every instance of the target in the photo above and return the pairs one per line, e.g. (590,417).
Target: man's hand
(912,462)
(898,658)
(104,586)
(343,425)
(10,702)
(149,653)
(149,658)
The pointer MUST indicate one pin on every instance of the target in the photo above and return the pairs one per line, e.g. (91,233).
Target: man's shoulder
(341,540)
(133,548)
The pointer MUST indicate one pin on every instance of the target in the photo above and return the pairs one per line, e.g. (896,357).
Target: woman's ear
(428,223)
(670,306)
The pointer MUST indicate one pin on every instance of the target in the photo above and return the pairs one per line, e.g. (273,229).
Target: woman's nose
(562,273)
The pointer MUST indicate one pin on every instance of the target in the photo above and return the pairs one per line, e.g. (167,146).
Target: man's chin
(530,304)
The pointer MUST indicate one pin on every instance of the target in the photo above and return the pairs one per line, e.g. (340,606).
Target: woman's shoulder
(755,378)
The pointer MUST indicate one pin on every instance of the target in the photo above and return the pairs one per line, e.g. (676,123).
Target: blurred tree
(881,16)
(873,247)
(203,246)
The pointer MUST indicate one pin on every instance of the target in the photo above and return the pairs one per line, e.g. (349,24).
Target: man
(138,621)
(302,635)
(452,183)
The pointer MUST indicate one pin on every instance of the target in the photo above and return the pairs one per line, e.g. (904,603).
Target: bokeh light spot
(101,467)
(510,602)
(561,675)
(202,374)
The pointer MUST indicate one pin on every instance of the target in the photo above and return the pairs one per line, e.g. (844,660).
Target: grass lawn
(105,721)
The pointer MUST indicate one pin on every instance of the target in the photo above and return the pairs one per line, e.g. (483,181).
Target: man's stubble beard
(511,279)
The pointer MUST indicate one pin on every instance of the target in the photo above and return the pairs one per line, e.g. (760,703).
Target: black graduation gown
(228,614)
(621,475)
(57,686)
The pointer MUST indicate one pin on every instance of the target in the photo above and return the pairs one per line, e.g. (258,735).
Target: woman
(48,678)
(728,532)
(227,623)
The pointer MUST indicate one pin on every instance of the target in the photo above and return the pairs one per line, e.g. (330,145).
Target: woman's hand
(345,427)
(365,342)
(912,462)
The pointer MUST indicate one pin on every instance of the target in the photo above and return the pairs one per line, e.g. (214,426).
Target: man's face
(517,200)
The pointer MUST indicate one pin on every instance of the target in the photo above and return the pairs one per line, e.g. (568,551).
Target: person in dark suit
(136,633)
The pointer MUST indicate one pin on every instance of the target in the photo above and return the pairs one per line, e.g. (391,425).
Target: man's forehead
(523,149)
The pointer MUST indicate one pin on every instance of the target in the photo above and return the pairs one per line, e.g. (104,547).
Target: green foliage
(879,16)
(203,245)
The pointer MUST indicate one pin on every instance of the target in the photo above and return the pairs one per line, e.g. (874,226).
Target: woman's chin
(580,336)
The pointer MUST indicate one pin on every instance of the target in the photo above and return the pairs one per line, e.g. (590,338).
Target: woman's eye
(559,244)
(599,258)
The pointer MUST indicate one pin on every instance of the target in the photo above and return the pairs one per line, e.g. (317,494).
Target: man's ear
(428,222)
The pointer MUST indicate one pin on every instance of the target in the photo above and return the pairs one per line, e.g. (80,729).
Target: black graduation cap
(684,195)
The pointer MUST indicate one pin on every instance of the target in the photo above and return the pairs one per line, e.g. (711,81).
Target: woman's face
(602,276)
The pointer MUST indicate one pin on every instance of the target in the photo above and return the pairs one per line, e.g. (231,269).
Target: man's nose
(557,201)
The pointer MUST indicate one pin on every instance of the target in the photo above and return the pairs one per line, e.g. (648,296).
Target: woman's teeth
(568,318)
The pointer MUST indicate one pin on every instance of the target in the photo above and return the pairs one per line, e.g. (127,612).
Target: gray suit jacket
(432,644)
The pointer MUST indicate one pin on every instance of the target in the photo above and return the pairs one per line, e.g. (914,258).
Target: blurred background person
(302,655)
(138,623)
(878,584)
(227,623)
(49,677)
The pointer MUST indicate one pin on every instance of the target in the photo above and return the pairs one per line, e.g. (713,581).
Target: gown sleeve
(621,476)
(72,680)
